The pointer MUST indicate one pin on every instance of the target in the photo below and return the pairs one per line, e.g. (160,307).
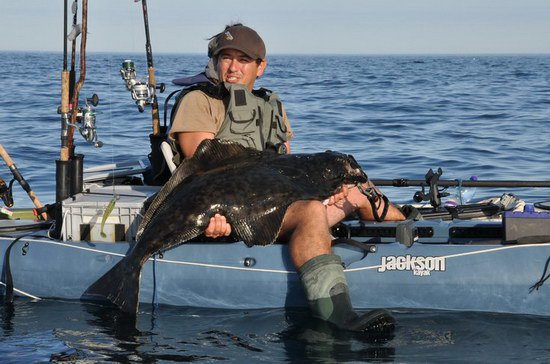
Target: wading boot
(328,297)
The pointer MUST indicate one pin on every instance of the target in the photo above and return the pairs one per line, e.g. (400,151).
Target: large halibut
(251,189)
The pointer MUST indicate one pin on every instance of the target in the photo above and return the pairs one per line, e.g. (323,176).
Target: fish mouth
(355,171)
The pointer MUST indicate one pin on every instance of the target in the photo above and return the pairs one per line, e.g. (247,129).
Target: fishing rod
(19,178)
(65,79)
(85,117)
(63,164)
(75,32)
(68,79)
(145,94)
(151,70)
(82,78)
(69,166)
(65,11)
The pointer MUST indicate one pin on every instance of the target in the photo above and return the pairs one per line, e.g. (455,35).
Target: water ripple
(484,115)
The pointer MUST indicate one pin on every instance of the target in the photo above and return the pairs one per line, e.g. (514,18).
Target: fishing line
(111,205)
(133,24)
(110,122)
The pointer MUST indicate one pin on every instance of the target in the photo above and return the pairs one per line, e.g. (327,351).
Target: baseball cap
(241,38)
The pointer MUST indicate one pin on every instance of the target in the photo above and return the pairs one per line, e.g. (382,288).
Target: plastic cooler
(83,213)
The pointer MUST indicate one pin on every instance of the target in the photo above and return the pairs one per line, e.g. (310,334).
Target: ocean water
(398,115)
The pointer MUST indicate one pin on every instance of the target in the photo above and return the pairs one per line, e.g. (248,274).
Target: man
(257,119)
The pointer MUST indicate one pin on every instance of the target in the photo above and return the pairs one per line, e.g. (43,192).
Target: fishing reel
(142,92)
(88,129)
(6,192)
(86,120)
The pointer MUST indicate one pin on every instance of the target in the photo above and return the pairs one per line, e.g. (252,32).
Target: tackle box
(526,227)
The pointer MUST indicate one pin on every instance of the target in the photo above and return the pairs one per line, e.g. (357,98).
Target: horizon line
(543,53)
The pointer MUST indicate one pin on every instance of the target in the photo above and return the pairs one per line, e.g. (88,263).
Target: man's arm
(287,144)
(189,141)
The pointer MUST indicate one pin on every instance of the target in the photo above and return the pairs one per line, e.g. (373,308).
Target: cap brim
(241,49)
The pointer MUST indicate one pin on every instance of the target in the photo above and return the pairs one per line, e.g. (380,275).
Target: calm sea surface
(398,115)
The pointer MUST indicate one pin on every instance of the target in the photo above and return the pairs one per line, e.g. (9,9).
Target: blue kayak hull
(471,277)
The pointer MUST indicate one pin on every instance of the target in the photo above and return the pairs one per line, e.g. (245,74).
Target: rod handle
(6,157)
(155,108)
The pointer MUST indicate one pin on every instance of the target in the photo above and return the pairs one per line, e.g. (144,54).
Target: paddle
(432,181)
(404,182)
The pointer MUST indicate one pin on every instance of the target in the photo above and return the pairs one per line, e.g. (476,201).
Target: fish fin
(119,286)
(210,154)
(213,153)
(261,230)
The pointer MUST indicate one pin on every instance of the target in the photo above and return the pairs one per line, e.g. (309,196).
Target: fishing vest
(254,119)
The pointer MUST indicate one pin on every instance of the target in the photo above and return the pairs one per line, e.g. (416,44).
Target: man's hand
(218,227)
(334,199)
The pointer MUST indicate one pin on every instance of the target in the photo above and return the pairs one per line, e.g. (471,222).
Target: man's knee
(307,210)
(307,214)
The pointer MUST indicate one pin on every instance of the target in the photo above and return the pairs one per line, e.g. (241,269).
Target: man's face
(236,67)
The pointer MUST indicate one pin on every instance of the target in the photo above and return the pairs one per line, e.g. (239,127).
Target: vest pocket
(243,121)
(281,124)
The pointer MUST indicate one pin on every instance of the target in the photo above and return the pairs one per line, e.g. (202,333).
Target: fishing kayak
(457,264)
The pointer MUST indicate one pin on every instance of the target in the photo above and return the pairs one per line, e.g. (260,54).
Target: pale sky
(292,26)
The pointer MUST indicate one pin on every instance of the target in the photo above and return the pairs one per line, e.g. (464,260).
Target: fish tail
(119,286)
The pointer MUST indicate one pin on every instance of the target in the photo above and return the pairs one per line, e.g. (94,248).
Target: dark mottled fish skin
(208,156)
(251,189)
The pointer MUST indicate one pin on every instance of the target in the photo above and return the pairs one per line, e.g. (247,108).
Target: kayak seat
(168,154)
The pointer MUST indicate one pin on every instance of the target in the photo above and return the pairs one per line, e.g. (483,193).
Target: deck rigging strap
(365,247)
(543,278)
(7,277)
